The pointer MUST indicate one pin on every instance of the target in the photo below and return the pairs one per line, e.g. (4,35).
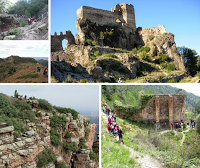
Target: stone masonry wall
(56,41)
(123,13)
(161,109)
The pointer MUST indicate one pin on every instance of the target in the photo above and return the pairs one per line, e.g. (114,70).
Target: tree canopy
(190,59)
(28,8)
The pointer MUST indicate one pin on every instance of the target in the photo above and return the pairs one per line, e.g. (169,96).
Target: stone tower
(128,14)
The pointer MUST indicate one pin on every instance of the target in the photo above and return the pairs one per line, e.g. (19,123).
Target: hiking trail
(144,160)
(183,139)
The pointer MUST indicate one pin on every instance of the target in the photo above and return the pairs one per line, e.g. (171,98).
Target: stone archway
(56,41)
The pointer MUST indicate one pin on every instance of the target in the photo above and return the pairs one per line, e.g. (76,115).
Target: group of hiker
(113,127)
(45,72)
(193,123)
(31,20)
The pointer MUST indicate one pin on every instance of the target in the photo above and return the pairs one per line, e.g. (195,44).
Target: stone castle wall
(56,41)
(123,13)
(161,109)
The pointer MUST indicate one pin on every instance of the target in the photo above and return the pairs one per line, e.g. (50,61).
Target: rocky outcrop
(22,151)
(7,22)
(160,41)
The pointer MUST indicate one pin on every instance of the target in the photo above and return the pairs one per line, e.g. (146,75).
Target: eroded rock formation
(22,152)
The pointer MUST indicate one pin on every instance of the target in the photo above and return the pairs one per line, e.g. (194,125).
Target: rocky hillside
(42,137)
(17,28)
(15,69)
(107,52)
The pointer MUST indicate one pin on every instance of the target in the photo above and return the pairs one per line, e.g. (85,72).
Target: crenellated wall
(56,41)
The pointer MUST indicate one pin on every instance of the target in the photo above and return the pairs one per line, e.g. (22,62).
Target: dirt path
(145,160)
(183,139)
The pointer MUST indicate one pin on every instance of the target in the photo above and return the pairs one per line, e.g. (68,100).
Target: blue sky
(82,98)
(24,48)
(180,17)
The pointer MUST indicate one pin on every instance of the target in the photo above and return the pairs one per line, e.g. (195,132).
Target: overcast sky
(24,48)
(82,98)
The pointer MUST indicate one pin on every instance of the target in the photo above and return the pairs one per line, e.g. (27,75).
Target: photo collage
(99,84)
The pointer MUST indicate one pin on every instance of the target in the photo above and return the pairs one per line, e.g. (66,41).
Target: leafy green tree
(82,143)
(197,107)
(70,147)
(16,94)
(190,59)
(12,70)
(27,14)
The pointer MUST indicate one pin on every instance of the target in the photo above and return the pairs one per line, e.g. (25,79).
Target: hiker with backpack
(120,132)
(108,110)
(38,69)
(115,116)
(103,108)
(115,131)
(109,128)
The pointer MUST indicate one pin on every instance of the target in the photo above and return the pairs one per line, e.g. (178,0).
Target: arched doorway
(64,44)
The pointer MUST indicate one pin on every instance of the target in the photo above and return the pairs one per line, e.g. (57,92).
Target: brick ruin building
(160,109)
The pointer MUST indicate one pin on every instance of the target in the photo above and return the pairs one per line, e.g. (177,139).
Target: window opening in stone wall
(64,44)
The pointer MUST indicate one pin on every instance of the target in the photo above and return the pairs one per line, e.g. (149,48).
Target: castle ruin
(160,109)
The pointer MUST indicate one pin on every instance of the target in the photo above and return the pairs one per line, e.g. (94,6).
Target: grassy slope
(24,73)
(165,148)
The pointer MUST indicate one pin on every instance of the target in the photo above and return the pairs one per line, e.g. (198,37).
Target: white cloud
(24,48)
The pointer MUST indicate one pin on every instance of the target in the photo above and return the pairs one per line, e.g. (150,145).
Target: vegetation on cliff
(43,120)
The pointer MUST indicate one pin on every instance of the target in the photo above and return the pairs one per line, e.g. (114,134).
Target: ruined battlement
(56,40)
(122,13)
(160,109)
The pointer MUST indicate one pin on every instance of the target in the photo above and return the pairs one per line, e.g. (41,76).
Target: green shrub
(38,115)
(144,49)
(12,70)
(134,51)
(44,104)
(88,42)
(27,114)
(143,56)
(86,133)
(61,165)
(97,53)
(19,127)
(7,108)
(48,156)
(165,33)
(67,110)
(70,147)
(172,81)
(68,135)
(70,58)
(110,55)
(151,37)
(94,156)
(83,80)
(57,121)
(55,138)
(82,143)
(21,105)
(169,66)
(198,74)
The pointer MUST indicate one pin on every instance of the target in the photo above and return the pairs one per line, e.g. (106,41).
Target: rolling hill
(15,69)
